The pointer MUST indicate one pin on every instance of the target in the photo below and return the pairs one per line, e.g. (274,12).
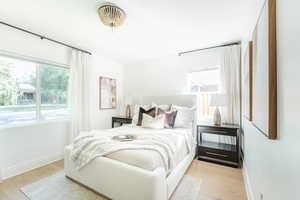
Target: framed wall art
(108,93)
(248,82)
(265,72)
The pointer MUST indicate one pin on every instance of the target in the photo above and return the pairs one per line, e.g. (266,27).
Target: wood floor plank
(217,182)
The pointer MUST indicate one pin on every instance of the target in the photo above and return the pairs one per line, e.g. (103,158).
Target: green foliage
(8,86)
(54,84)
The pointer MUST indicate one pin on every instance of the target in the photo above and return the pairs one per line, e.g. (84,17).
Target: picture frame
(248,82)
(107,93)
(265,72)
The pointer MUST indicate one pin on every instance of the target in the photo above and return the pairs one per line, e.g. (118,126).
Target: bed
(138,174)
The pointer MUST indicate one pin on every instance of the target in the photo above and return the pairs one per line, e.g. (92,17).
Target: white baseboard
(23,167)
(247,183)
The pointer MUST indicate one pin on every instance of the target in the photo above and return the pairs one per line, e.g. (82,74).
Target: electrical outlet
(261,196)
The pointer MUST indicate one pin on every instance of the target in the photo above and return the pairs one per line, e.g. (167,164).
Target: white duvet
(153,147)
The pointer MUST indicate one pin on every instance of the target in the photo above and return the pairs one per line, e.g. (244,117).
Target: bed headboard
(181,100)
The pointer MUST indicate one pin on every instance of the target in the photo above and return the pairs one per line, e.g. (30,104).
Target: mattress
(147,159)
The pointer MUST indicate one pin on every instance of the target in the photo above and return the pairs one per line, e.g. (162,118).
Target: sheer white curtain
(230,83)
(79,93)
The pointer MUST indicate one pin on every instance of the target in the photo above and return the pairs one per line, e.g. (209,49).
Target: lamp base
(217,117)
(128,111)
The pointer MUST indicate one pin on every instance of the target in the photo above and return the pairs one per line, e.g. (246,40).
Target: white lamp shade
(217,100)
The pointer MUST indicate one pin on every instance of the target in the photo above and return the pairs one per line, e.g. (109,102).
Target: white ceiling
(153,28)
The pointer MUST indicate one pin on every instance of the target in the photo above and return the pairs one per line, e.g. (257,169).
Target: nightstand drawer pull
(216,154)
(222,132)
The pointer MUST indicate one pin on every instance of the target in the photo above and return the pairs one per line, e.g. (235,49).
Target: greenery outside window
(31,91)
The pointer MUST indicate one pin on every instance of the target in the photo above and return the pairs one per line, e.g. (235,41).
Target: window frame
(200,118)
(38,64)
(202,70)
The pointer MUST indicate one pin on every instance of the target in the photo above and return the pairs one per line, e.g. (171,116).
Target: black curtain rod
(44,37)
(213,47)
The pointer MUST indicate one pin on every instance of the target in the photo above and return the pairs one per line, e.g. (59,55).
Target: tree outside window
(24,98)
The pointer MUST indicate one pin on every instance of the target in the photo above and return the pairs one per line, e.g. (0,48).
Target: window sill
(34,123)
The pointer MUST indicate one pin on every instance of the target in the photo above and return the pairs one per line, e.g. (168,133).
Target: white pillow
(164,107)
(136,110)
(157,122)
(184,117)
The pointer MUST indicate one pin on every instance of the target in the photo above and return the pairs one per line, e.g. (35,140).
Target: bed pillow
(153,122)
(151,112)
(170,117)
(162,106)
(184,117)
(136,111)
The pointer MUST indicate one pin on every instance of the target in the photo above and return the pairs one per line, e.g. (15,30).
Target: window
(31,91)
(203,83)
(53,89)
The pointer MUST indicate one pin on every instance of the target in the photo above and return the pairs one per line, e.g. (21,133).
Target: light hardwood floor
(217,182)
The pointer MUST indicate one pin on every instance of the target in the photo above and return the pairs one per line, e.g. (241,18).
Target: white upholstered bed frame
(120,181)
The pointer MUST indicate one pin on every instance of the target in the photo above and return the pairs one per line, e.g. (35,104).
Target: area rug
(59,187)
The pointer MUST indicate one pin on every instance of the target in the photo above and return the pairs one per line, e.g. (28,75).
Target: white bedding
(146,158)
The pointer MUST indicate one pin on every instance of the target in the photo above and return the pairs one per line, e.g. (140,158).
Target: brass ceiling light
(111,15)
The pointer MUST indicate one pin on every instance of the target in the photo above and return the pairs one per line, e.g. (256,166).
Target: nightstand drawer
(217,154)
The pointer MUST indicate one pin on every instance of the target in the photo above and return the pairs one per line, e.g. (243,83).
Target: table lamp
(217,100)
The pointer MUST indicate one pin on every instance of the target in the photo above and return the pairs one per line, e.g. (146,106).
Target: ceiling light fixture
(111,15)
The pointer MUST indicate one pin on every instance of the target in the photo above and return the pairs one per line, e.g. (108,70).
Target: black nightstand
(120,120)
(227,154)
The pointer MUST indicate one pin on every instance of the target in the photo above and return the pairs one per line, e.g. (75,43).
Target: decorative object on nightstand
(217,100)
(222,153)
(120,120)
(128,102)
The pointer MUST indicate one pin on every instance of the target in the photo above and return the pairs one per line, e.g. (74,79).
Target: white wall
(107,68)
(26,147)
(166,75)
(14,41)
(23,148)
(273,167)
